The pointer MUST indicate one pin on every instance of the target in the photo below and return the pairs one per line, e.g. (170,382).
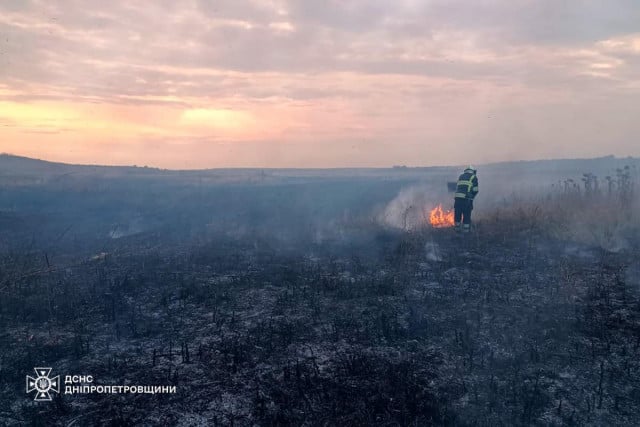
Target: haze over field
(321,296)
(292,83)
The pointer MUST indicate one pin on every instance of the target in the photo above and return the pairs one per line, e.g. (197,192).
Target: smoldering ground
(323,297)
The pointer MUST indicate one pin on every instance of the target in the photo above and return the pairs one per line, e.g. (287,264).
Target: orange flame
(439,218)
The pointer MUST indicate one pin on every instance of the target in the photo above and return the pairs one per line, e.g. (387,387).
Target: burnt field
(323,300)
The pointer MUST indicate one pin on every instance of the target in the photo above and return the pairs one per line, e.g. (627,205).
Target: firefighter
(466,191)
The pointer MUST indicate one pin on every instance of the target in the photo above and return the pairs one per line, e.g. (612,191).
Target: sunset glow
(288,83)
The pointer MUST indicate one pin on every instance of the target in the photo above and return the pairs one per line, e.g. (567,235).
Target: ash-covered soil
(506,326)
(292,297)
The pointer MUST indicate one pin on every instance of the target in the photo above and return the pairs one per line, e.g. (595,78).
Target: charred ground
(357,323)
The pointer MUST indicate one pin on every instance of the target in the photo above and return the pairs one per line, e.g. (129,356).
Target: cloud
(324,77)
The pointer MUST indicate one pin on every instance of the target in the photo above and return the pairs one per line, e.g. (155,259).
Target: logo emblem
(43,384)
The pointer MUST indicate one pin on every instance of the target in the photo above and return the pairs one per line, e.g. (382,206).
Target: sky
(311,83)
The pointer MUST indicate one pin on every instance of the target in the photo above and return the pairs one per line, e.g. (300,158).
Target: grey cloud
(17,5)
(355,16)
(241,10)
(360,36)
(523,21)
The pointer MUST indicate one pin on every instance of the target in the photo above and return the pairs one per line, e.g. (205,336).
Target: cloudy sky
(311,83)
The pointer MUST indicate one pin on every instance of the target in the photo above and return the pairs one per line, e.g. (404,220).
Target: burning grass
(439,218)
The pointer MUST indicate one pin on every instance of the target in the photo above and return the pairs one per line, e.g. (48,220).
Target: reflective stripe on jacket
(467,186)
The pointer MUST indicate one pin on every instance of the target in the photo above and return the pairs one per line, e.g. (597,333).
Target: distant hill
(16,165)
(595,165)
(25,170)
(11,165)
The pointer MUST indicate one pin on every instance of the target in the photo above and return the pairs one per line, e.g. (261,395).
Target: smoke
(409,210)
(432,251)
(135,226)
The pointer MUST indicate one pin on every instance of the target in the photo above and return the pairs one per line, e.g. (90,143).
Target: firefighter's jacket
(467,186)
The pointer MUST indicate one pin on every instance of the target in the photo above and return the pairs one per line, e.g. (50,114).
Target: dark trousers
(462,210)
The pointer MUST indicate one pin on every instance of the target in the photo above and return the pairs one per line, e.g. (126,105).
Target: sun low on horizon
(294,83)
